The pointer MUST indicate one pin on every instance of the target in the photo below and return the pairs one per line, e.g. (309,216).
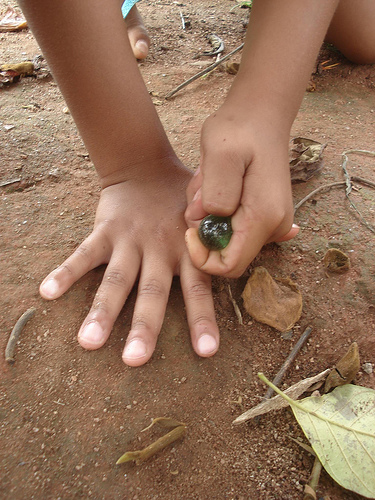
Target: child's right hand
(244,173)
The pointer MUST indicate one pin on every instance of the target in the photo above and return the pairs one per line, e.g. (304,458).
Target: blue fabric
(126,6)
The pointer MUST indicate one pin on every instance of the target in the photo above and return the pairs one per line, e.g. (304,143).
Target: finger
(194,184)
(195,212)
(196,288)
(137,33)
(93,252)
(152,298)
(118,280)
(294,230)
(222,180)
(247,240)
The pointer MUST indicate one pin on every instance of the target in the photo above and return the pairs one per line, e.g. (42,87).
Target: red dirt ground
(66,415)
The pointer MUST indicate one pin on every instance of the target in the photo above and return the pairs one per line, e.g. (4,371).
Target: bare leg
(138,37)
(352,30)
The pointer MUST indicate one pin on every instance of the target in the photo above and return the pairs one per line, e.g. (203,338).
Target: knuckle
(100,304)
(152,287)
(115,278)
(198,290)
(201,319)
(65,268)
(140,323)
(83,250)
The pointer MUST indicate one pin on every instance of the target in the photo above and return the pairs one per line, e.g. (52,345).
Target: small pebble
(367,368)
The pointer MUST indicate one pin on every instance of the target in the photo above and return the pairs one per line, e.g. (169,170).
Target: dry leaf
(12,21)
(277,402)
(232,68)
(346,369)
(336,261)
(23,68)
(306,158)
(140,456)
(276,303)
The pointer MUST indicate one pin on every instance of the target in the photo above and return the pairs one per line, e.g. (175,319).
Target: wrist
(264,102)
(149,169)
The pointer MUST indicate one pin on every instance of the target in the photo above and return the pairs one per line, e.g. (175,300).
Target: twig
(310,489)
(7,183)
(9,351)
(237,310)
(203,72)
(182,19)
(289,360)
(318,190)
(349,184)
(327,187)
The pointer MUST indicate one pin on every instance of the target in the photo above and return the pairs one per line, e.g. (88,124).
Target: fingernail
(141,46)
(50,288)
(197,172)
(135,349)
(206,344)
(295,225)
(92,333)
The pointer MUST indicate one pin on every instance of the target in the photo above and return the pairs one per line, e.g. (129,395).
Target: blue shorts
(126,6)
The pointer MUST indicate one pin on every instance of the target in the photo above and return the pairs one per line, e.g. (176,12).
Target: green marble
(215,232)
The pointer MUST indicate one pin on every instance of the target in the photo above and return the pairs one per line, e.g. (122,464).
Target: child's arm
(244,167)
(139,227)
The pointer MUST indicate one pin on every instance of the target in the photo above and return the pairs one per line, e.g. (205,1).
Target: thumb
(195,212)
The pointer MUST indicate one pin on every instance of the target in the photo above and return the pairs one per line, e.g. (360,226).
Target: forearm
(281,46)
(87,47)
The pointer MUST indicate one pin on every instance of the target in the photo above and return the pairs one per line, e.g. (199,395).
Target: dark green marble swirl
(215,232)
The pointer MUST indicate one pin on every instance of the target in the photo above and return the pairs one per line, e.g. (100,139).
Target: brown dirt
(67,414)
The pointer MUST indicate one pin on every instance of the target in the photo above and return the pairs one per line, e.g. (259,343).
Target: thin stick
(237,310)
(289,360)
(310,489)
(203,72)
(318,190)
(182,20)
(9,351)
(327,187)
(349,184)
(7,183)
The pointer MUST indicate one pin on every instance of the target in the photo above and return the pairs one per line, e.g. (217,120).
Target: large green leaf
(341,429)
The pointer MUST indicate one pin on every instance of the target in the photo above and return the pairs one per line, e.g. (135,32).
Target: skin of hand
(139,232)
(259,197)
(139,227)
(244,167)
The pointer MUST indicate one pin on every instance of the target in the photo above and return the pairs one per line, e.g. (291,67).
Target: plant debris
(336,261)
(289,360)
(140,456)
(277,303)
(12,21)
(237,310)
(9,350)
(203,72)
(232,68)
(309,492)
(13,72)
(277,402)
(307,158)
(340,428)
(25,68)
(345,370)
